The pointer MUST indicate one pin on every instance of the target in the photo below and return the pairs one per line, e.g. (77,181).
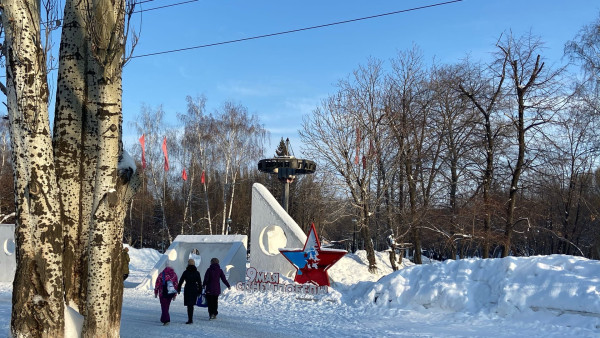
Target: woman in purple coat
(168,274)
(212,283)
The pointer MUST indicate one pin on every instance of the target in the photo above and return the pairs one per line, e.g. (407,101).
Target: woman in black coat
(193,287)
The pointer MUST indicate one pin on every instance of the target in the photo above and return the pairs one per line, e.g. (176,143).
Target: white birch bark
(37,309)
(75,166)
(88,144)
(103,108)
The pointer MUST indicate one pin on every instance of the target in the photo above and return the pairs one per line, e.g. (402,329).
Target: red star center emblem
(312,261)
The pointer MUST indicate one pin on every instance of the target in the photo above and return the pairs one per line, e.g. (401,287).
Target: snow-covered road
(277,315)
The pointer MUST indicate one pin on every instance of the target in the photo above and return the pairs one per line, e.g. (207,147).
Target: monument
(286,167)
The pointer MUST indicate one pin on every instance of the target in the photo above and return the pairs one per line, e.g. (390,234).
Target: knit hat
(191,262)
(214,261)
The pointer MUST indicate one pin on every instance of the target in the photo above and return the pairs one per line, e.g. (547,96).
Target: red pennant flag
(202,177)
(184,175)
(164,149)
(143,143)
(357,145)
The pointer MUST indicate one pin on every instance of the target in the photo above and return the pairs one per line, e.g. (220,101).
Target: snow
(540,296)
(126,162)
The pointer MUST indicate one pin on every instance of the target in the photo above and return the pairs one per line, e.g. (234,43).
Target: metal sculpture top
(286,166)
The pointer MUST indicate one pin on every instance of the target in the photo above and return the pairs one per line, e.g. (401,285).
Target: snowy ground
(543,296)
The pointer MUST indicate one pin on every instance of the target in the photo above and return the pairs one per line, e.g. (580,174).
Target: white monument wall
(272,229)
(8,262)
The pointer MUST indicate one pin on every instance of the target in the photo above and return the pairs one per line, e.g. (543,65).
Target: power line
(161,7)
(297,30)
(138,11)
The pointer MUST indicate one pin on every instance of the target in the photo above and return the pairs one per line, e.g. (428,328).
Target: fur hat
(191,262)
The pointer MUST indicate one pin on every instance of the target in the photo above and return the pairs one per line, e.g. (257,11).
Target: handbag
(201,300)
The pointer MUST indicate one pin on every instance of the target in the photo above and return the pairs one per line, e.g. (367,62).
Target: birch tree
(150,123)
(198,140)
(241,139)
(38,291)
(75,186)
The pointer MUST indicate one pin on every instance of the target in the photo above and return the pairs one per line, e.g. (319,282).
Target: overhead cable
(295,30)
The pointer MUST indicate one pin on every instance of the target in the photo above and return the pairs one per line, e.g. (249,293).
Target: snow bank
(508,286)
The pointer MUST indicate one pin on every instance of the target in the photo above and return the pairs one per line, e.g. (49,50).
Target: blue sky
(284,77)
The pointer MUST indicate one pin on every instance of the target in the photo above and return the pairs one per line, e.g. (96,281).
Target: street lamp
(228,226)
(354,220)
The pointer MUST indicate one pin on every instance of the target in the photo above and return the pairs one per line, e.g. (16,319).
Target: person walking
(193,287)
(161,291)
(212,282)
(125,263)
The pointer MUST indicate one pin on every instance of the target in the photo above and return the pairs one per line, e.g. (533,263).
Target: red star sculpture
(312,261)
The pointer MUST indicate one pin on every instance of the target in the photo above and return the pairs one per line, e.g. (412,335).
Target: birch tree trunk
(105,21)
(37,309)
(73,132)
(87,149)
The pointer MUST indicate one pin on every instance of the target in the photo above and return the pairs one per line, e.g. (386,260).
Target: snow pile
(542,296)
(141,261)
(352,268)
(508,286)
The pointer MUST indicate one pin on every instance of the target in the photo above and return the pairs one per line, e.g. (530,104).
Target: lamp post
(354,220)
(228,226)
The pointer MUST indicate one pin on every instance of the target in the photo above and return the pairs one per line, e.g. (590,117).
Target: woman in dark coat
(212,282)
(193,287)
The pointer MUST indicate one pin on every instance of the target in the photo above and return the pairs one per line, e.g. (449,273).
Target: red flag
(357,145)
(184,175)
(143,143)
(164,148)
(364,161)
(202,177)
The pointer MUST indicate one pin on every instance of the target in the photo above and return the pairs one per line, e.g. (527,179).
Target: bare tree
(338,135)
(457,123)
(239,143)
(530,88)
(198,142)
(570,150)
(485,90)
(411,125)
(585,49)
(150,123)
